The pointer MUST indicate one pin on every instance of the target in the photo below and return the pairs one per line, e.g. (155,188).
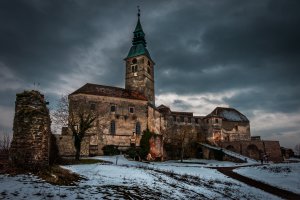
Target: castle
(124,113)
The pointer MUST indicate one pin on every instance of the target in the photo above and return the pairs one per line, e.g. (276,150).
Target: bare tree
(5,142)
(184,133)
(60,114)
(180,135)
(79,125)
(78,116)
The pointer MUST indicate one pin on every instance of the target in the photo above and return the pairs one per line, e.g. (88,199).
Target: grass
(53,174)
(84,161)
(57,175)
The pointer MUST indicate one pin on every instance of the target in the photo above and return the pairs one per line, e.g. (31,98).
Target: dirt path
(228,171)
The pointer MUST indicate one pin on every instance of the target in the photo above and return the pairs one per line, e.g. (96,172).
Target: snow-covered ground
(283,175)
(135,180)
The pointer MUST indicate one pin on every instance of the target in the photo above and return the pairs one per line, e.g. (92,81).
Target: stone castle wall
(31,130)
(255,149)
(99,135)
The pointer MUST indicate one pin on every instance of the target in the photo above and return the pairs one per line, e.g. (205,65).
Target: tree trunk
(182,152)
(77,147)
(77,155)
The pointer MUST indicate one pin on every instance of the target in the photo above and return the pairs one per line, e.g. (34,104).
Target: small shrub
(133,152)
(110,150)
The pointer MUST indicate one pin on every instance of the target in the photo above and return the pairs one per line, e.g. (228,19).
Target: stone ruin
(31,130)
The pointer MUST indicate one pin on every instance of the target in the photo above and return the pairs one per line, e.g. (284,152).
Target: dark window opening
(148,70)
(217,121)
(134,61)
(135,68)
(93,106)
(131,109)
(113,108)
(174,118)
(182,119)
(113,127)
(132,69)
(148,62)
(138,128)
(207,121)
(189,120)
(196,121)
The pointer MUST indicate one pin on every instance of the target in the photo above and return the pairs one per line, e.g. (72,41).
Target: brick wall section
(31,130)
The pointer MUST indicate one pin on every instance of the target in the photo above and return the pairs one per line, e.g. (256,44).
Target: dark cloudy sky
(242,54)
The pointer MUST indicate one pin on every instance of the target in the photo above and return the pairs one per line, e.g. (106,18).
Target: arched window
(138,128)
(134,61)
(113,127)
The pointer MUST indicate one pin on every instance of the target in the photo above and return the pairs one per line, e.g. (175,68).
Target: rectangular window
(217,121)
(131,109)
(113,127)
(174,118)
(196,121)
(113,108)
(138,128)
(93,106)
(181,119)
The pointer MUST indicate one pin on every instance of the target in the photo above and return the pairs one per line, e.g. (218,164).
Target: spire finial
(139,11)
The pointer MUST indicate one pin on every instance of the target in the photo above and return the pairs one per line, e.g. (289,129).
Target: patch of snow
(283,175)
(232,115)
(135,180)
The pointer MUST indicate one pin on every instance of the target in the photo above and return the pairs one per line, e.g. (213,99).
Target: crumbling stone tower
(31,138)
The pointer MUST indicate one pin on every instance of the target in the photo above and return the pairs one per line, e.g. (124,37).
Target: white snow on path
(134,180)
(283,175)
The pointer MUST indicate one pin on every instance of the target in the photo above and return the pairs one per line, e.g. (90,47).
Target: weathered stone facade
(31,138)
(140,76)
(226,124)
(123,115)
(129,118)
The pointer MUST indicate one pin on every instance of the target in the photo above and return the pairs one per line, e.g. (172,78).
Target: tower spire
(139,12)
(139,43)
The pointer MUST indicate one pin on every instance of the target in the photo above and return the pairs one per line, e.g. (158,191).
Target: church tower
(140,66)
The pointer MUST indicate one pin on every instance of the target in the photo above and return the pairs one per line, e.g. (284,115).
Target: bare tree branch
(4,141)
(60,114)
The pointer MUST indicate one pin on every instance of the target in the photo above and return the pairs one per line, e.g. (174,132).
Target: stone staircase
(230,153)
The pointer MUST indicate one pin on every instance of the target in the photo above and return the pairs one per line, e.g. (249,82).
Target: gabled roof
(228,114)
(103,90)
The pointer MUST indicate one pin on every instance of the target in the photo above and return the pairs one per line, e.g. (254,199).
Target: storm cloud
(208,53)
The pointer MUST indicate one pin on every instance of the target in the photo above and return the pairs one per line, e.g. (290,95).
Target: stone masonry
(31,130)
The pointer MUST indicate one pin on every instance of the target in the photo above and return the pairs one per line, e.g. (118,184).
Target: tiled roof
(102,90)
(228,114)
